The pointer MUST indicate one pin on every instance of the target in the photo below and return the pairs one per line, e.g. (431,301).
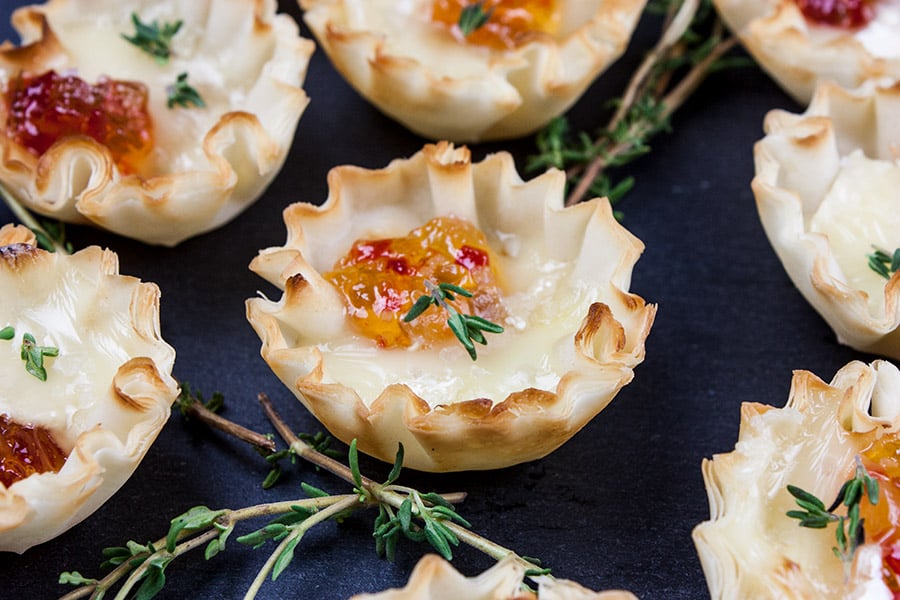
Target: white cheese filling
(860,211)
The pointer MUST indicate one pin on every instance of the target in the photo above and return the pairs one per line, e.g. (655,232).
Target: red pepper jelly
(381,279)
(25,450)
(882,521)
(41,109)
(512,23)
(848,14)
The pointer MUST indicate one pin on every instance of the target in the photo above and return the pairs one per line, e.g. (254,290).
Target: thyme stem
(345,503)
(193,408)
(27,219)
(648,102)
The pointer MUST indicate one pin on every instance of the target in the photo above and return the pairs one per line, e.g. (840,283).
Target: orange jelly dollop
(882,521)
(41,109)
(381,279)
(25,450)
(512,23)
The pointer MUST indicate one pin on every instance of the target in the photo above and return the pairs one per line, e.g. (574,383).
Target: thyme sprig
(183,94)
(883,263)
(403,511)
(473,17)
(691,45)
(49,235)
(31,352)
(33,355)
(850,532)
(153,38)
(468,329)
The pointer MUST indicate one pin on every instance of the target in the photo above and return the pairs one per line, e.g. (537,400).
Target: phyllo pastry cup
(204,164)
(107,390)
(826,189)
(750,547)
(573,333)
(445,86)
(435,579)
(798,52)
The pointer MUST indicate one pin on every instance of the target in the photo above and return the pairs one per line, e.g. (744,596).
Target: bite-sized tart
(435,579)
(85,384)
(826,189)
(100,124)
(799,42)
(529,61)
(752,548)
(555,279)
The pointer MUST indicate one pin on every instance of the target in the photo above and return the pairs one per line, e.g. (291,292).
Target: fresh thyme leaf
(473,17)
(182,94)
(153,38)
(33,355)
(7,333)
(198,517)
(75,578)
(883,263)
(691,46)
(468,329)
(285,557)
(850,531)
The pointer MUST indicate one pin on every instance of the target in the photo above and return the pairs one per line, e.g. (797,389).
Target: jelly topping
(41,109)
(848,14)
(25,450)
(882,521)
(381,279)
(512,23)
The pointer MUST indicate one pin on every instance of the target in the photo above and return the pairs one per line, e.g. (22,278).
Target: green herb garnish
(403,512)
(693,43)
(850,533)
(182,94)
(153,38)
(467,328)
(473,17)
(33,355)
(883,263)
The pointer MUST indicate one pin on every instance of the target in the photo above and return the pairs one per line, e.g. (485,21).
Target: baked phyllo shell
(207,164)
(750,548)
(107,393)
(443,89)
(573,333)
(435,579)
(798,54)
(826,187)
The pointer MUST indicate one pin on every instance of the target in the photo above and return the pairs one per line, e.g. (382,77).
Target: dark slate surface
(614,507)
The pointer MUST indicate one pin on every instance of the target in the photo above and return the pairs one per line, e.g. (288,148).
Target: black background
(615,506)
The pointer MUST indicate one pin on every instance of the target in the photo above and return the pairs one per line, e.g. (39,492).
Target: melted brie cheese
(860,211)
(534,351)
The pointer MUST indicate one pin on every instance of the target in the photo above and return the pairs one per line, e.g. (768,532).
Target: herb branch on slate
(691,46)
(49,235)
(850,533)
(403,512)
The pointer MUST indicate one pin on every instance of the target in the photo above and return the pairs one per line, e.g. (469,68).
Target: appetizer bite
(463,70)
(800,42)
(156,120)
(85,384)
(826,189)
(435,579)
(772,533)
(406,275)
